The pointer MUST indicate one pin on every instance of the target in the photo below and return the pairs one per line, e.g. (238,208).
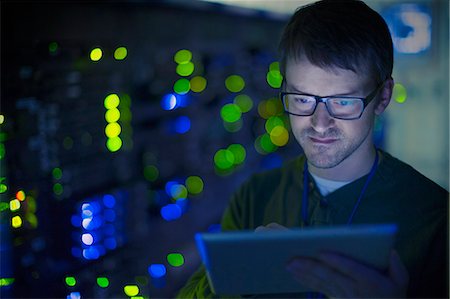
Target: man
(337,60)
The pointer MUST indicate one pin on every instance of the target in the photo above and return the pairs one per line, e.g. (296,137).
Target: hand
(338,276)
(270,227)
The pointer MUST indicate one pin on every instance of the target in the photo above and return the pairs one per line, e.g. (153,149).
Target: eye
(301,99)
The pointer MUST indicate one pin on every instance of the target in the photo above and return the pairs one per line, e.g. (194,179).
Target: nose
(321,120)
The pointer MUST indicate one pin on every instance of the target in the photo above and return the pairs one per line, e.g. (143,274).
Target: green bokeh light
(131,290)
(68,143)
(235,83)
(6,282)
(102,282)
(96,54)
(234,126)
(244,102)
(3,188)
(151,173)
(224,159)
(114,144)
(183,56)
(182,86)
(399,93)
(3,206)
(71,281)
(120,53)
(274,79)
(194,184)
(57,173)
(185,69)
(175,259)
(230,113)
(239,153)
(111,101)
(112,115)
(270,107)
(58,189)
(53,47)
(264,145)
(2,151)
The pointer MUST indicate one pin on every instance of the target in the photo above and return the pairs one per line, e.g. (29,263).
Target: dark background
(52,101)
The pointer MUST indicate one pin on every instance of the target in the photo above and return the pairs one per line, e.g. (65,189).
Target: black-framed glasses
(341,107)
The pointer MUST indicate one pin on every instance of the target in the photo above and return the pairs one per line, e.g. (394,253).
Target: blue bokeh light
(182,124)
(171,212)
(157,270)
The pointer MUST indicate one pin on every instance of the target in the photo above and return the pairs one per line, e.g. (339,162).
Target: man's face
(328,141)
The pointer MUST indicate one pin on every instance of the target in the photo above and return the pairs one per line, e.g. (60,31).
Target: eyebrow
(295,90)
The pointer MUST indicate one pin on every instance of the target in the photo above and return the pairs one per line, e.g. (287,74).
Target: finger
(355,270)
(319,277)
(397,270)
(277,226)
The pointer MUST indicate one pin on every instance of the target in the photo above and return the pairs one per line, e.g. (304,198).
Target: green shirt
(396,194)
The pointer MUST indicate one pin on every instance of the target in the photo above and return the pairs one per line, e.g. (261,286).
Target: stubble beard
(328,155)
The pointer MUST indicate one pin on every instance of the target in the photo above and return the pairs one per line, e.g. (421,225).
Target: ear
(385,96)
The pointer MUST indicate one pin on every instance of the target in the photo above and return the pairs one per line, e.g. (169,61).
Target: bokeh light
(272,122)
(53,47)
(399,93)
(224,159)
(274,77)
(183,56)
(234,83)
(120,53)
(151,173)
(175,259)
(182,124)
(112,130)
(16,221)
(96,54)
(279,136)
(234,126)
(239,153)
(70,281)
(57,173)
(230,113)
(270,107)
(114,144)
(169,102)
(14,205)
(157,270)
(103,282)
(171,212)
(264,145)
(20,195)
(178,191)
(58,189)
(182,86)
(198,84)
(112,115)
(244,102)
(185,69)
(111,101)
(131,290)
(194,184)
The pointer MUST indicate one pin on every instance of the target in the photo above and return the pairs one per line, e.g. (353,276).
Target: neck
(357,165)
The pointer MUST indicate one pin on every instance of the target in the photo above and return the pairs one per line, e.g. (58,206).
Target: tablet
(248,263)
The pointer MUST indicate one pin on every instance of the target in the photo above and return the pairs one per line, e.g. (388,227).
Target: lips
(322,140)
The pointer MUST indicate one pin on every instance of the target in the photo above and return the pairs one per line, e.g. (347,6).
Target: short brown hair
(339,33)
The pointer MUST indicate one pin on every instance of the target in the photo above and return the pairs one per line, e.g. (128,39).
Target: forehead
(302,75)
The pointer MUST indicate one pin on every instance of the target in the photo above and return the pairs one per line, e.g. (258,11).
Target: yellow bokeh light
(279,136)
(112,115)
(16,221)
(14,205)
(112,130)
(96,54)
(399,93)
(2,119)
(198,84)
(111,101)
(131,290)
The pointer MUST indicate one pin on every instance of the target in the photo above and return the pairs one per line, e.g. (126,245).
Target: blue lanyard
(306,191)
